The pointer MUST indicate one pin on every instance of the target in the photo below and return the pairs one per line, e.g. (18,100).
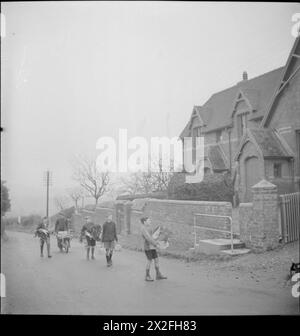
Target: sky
(72,72)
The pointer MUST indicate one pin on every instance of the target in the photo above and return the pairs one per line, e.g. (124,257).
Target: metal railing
(213,229)
(290,216)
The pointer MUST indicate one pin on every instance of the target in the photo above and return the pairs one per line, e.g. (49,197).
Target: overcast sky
(73,72)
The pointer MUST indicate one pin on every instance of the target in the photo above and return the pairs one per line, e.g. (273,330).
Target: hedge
(214,187)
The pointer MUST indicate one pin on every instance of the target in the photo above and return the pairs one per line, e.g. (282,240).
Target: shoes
(148,278)
(108,260)
(49,256)
(160,277)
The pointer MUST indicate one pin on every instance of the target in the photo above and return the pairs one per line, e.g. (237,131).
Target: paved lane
(68,284)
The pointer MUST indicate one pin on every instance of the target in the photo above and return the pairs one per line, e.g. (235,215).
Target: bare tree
(61,202)
(76,194)
(160,179)
(86,173)
(146,182)
(135,183)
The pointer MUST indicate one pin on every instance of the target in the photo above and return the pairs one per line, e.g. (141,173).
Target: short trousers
(109,245)
(91,242)
(151,254)
(44,240)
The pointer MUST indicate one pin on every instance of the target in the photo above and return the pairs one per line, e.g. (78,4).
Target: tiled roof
(269,143)
(216,112)
(287,73)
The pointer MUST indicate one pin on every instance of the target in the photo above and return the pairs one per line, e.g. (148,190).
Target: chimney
(245,76)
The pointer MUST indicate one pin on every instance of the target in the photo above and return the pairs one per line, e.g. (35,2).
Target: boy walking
(91,233)
(150,246)
(43,233)
(109,236)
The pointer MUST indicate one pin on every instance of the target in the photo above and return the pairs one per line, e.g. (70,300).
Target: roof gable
(288,73)
(257,92)
(196,113)
(240,97)
(268,143)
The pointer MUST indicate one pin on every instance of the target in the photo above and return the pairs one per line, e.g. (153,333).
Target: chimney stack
(245,76)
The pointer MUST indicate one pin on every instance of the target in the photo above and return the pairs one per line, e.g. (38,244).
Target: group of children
(108,235)
(92,232)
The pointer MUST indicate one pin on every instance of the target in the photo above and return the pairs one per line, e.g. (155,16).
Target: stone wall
(135,221)
(178,218)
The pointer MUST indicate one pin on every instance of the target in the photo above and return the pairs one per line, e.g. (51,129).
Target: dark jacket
(61,224)
(109,232)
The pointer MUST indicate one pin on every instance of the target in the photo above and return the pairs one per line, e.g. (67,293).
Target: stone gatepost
(263,228)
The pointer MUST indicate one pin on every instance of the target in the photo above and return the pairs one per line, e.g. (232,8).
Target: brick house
(252,129)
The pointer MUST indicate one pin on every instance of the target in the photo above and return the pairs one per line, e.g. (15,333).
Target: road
(69,284)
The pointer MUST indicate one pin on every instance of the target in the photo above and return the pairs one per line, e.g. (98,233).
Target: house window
(241,124)
(277,170)
(218,136)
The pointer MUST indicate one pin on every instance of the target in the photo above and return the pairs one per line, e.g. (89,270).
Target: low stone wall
(135,221)
(178,218)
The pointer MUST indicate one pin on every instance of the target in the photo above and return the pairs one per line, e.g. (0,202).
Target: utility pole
(48,183)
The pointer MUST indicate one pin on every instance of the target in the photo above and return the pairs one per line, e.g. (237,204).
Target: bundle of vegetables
(161,235)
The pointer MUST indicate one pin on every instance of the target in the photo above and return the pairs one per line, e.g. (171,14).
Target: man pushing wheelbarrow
(62,232)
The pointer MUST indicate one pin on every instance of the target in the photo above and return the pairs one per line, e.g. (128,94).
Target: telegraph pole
(48,183)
